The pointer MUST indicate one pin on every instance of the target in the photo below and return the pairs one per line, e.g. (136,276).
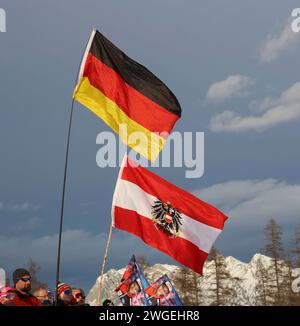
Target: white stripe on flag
(128,195)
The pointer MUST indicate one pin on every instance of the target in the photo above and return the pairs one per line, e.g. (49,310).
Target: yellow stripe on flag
(142,140)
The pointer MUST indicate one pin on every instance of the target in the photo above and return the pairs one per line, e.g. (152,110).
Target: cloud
(276,44)
(79,251)
(20,207)
(275,112)
(252,202)
(232,86)
(260,106)
(30,224)
(81,255)
(229,194)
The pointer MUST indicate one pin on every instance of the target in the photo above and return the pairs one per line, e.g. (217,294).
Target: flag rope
(99,303)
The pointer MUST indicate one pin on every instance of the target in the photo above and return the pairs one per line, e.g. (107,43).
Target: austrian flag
(165,216)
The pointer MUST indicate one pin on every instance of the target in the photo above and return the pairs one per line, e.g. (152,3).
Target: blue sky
(234,68)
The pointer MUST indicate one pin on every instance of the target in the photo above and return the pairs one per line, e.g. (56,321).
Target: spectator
(79,296)
(65,296)
(7,295)
(22,284)
(43,296)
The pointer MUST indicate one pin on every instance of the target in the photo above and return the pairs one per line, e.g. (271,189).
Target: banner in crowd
(162,293)
(133,283)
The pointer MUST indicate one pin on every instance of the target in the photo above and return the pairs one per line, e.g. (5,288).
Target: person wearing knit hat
(22,280)
(65,296)
(19,273)
(22,284)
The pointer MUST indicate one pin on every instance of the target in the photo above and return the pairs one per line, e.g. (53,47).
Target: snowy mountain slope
(237,269)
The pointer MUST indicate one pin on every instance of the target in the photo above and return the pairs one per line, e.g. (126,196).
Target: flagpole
(79,73)
(109,234)
(103,265)
(63,203)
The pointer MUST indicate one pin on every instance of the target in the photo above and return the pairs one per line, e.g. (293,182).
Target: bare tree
(34,269)
(295,252)
(278,271)
(182,281)
(188,284)
(296,247)
(221,293)
(141,260)
(196,289)
(261,276)
(289,297)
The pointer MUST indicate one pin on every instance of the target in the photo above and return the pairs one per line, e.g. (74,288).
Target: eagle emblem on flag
(166,218)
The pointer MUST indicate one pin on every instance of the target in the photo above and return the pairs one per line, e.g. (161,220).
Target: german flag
(126,96)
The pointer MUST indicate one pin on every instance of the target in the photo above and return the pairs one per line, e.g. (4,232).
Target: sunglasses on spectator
(25,279)
(68,292)
(79,295)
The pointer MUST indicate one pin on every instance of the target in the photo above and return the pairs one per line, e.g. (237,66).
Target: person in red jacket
(7,295)
(22,284)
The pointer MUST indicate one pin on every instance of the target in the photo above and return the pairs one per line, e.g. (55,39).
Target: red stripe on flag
(180,249)
(137,106)
(180,199)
